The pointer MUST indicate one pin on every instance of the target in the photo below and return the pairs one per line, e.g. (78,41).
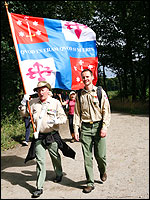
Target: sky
(109,73)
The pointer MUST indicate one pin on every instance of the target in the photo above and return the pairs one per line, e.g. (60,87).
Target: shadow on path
(22,177)
(14,161)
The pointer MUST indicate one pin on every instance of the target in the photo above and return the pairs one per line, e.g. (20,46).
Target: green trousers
(90,139)
(40,158)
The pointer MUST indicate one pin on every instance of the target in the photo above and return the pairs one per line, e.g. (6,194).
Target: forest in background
(122,37)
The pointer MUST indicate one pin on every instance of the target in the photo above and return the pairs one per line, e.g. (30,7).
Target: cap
(42,84)
(72,92)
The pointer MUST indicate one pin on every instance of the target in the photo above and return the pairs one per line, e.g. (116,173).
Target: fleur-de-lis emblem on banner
(38,69)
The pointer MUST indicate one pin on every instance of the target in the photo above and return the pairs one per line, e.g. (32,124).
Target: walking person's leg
(88,133)
(70,117)
(88,158)
(100,153)
(27,125)
(56,161)
(40,168)
(27,131)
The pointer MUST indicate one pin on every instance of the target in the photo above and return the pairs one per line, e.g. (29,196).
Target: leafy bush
(12,132)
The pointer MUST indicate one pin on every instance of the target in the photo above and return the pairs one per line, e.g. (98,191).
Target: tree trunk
(131,66)
(104,79)
(124,84)
(120,88)
(143,89)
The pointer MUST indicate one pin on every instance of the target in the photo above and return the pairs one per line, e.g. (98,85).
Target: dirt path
(127,166)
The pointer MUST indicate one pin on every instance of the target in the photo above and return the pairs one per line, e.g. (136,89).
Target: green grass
(129,107)
(12,132)
(112,94)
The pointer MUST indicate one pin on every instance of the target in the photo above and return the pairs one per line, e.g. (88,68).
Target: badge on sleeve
(105,96)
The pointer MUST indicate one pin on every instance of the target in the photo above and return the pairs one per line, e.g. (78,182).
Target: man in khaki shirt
(47,114)
(94,124)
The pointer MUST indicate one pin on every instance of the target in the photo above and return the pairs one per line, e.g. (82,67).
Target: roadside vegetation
(12,131)
(126,105)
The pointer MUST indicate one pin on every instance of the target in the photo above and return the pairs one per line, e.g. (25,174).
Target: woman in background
(71,104)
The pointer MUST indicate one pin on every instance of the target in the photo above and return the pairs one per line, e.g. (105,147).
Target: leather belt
(91,122)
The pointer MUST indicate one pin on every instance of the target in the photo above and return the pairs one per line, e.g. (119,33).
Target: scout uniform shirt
(53,109)
(90,110)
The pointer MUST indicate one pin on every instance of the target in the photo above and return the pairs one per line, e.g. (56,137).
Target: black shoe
(88,189)
(24,143)
(57,179)
(103,177)
(72,140)
(37,193)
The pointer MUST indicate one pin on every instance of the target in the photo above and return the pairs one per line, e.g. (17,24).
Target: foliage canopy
(122,31)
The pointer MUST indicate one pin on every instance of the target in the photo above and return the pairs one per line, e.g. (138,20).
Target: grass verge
(12,132)
(129,107)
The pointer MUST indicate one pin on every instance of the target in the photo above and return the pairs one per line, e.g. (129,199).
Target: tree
(122,33)
(122,30)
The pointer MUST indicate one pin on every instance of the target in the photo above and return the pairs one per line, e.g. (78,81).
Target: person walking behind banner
(71,104)
(27,121)
(94,123)
(47,115)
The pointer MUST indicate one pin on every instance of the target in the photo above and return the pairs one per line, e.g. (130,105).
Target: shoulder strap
(99,94)
(79,94)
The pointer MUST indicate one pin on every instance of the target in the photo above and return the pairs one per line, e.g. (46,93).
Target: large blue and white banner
(53,50)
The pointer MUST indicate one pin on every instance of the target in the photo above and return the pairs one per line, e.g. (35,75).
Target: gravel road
(127,166)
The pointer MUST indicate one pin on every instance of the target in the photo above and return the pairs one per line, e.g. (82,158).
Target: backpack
(99,94)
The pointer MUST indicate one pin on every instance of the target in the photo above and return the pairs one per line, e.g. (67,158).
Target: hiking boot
(72,140)
(24,143)
(88,189)
(37,193)
(58,179)
(103,177)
